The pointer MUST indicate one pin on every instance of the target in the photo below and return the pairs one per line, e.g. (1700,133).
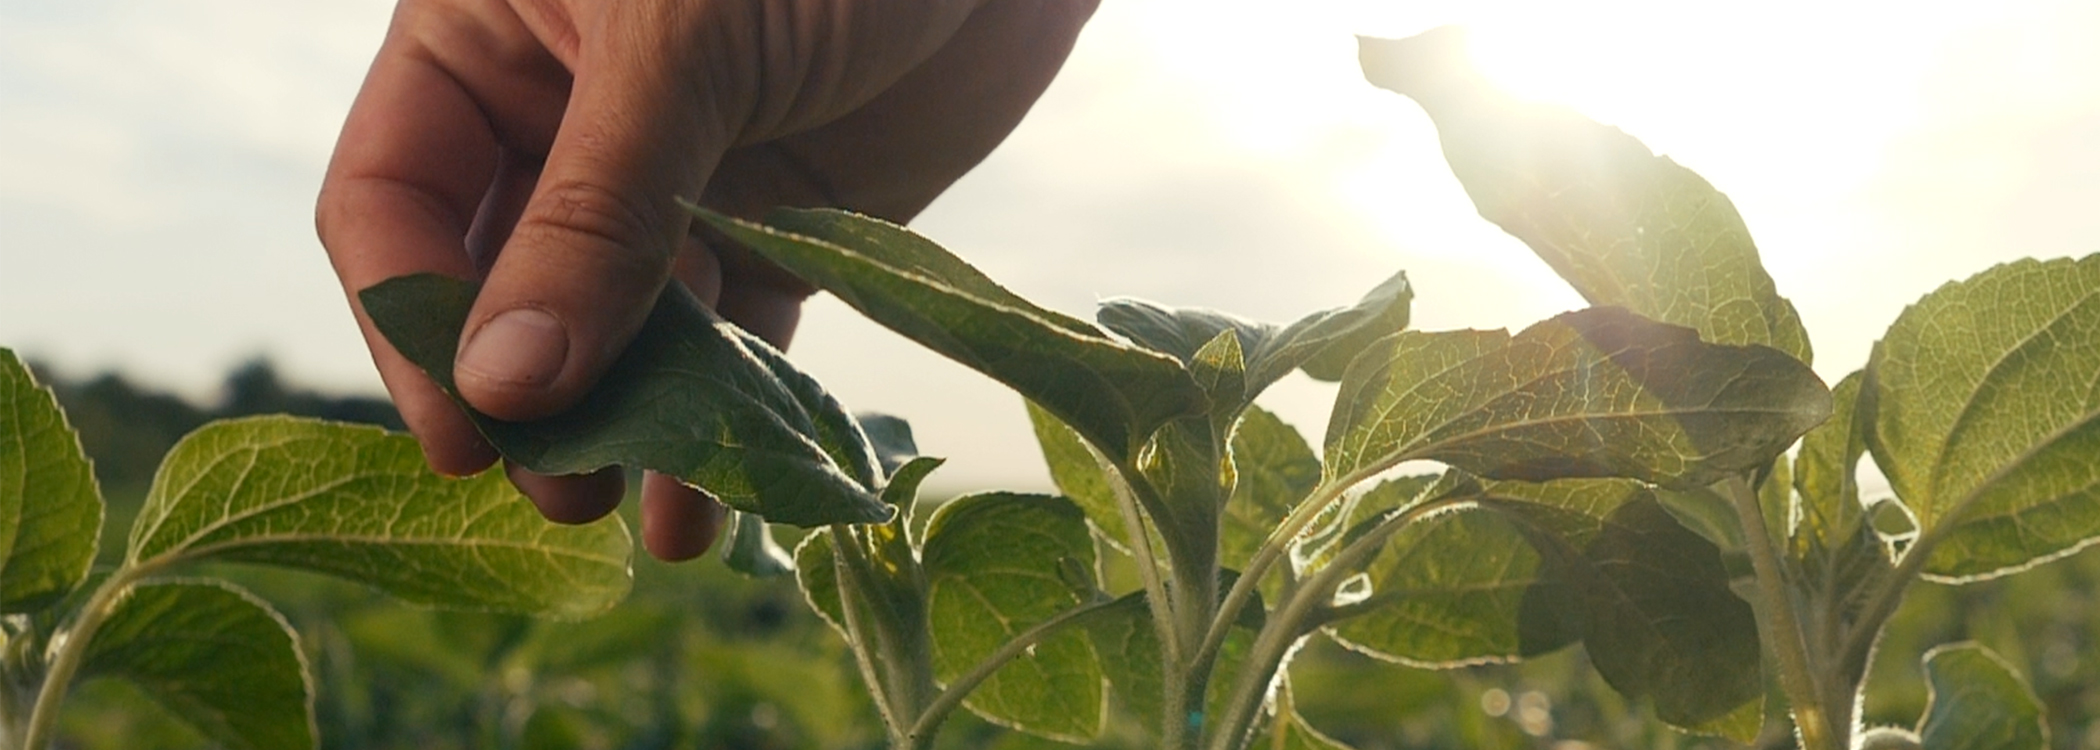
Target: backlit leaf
(1986,398)
(216,657)
(1113,393)
(360,503)
(1322,342)
(1079,475)
(1276,469)
(992,565)
(693,397)
(1827,510)
(50,507)
(1593,393)
(1623,226)
(1979,703)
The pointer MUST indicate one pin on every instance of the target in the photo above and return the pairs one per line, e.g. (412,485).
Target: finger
(678,521)
(397,200)
(575,498)
(595,243)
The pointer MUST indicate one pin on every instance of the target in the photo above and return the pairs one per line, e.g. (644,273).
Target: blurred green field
(700,658)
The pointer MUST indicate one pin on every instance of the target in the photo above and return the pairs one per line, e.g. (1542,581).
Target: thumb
(596,241)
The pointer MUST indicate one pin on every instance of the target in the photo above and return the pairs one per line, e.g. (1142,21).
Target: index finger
(414,160)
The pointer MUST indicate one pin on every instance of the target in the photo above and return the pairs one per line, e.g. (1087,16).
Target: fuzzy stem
(43,717)
(849,578)
(1781,628)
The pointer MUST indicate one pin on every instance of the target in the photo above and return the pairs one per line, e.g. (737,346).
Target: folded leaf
(1113,393)
(50,507)
(1322,342)
(692,397)
(748,548)
(1986,416)
(217,657)
(360,503)
(1599,392)
(1623,226)
(992,565)
(1978,703)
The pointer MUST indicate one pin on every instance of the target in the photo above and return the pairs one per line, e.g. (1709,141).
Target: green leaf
(1293,733)
(1322,342)
(750,549)
(1659,619)
(360,503)
(1623,226)
(891,438)
(1742,725)
(992,569)
(1079,475)
(816,572)
(1986,416)
(1448,591)
(50,507)
(216,657)
(1112,393)
(693,397)
(1128,645)
(1978,703)
(1468,586)
(1276,469)
(1593,393)
(1827,510)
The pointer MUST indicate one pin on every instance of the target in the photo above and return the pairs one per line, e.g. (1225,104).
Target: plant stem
(1303,611)
(1272,549)
(929,720)
(849,580)
(1141,547)
(72,648)
(1781,628)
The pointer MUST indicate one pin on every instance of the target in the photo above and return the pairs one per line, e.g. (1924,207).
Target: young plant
(1608,470)
(349,501)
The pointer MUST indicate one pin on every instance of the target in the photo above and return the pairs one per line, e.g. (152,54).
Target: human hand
(538,146)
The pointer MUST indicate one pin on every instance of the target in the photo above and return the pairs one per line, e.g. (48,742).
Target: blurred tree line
(127,427)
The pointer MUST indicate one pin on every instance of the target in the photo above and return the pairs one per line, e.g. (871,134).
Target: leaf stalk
(1779,625)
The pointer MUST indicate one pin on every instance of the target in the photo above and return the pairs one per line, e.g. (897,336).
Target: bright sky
(158,160)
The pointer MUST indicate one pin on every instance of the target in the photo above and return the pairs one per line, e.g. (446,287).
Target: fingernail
(521,347)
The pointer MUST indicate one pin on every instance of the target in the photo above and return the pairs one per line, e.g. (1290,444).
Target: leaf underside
(693,397)
(216,657)
(1978,702)
(50,506)
(1985,402)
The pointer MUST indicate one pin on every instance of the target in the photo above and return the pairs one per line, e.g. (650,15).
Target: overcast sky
(158,160)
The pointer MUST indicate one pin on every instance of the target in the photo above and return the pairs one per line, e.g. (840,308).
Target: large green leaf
(1468,586)
(1323,342)
(50,508)
(693,397)
(1623,226)
(1275,469)
(216,657)
(1079,475)
(359,502)
(1978,703)
(1986,399)
(992,569)
(1599,392)
(1113,393)
(1660,621)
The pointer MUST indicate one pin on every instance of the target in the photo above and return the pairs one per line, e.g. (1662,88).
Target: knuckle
(574,210)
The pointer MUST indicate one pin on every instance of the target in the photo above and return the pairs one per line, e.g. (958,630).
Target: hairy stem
(1307,608)
(849,575)
(72,646)
(1780,626)
(1271,550)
